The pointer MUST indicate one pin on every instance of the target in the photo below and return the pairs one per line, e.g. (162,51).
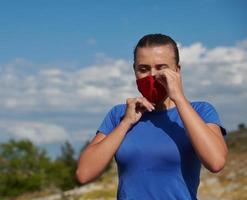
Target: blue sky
(54,30)
(63,62)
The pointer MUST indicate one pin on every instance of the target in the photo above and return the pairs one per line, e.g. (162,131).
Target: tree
(67,167)
(241,126)
(22,167)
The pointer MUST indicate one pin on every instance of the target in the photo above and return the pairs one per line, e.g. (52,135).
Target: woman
(159,140)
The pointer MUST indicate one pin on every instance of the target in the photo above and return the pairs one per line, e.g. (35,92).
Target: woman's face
(149,60)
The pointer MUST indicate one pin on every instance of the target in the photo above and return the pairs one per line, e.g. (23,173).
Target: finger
(131,102)
(173,73)
(142,103)
(140,107)
(162,77)
(145,103)
(151,105)
(167,74)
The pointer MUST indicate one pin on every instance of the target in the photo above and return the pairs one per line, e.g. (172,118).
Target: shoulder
(118,110)
(208,113)
(116,113)
(201,105)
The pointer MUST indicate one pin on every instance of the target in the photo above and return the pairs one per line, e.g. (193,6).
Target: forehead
(155,53)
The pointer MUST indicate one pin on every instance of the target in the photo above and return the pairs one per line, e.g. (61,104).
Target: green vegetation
(26,168)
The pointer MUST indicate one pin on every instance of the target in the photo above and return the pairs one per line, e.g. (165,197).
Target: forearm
(95,158)
(206,143)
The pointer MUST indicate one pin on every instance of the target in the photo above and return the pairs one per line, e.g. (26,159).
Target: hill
(231,182)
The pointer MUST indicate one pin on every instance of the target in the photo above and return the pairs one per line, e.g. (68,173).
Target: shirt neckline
(159,112)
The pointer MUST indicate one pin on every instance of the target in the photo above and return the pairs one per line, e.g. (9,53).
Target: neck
(164,105)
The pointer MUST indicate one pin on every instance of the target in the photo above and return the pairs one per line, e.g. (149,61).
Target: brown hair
(156,40)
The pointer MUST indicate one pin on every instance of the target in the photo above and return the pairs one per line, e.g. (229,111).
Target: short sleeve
(109,122)
(209,115)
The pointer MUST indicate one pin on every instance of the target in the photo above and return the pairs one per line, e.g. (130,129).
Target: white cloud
(63,89)
(218,67)
(217,75)
(192,54)
(83,136)
(39,133)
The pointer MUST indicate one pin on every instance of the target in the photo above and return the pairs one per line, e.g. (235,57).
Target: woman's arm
(99,152)
(206,139)
(96,156)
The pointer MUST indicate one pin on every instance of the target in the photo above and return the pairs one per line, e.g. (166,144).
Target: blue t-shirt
(156,159)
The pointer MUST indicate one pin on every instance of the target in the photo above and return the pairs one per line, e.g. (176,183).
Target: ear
(134,65)
(178,69)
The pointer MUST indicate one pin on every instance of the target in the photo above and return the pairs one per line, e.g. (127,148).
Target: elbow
(218,166)
(218,163)
(216,169)
(81,177)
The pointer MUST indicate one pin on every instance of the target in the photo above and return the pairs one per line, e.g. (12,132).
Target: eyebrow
(158,65)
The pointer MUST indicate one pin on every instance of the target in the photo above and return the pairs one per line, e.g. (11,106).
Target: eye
(160,67)
(143,69)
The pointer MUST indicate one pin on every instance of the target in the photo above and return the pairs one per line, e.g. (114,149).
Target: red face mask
(151,89)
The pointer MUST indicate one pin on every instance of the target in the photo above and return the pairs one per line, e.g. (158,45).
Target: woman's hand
(135,108)
(172,82)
